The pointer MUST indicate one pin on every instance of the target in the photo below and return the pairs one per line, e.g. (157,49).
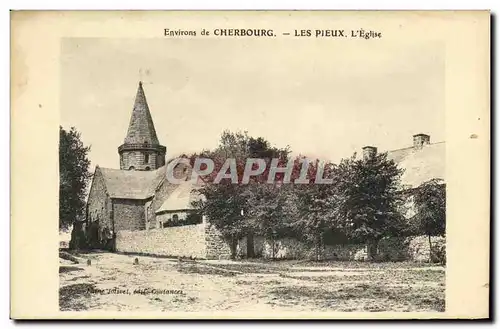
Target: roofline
(412,147)
(158,212)
(122,198)
(97,169)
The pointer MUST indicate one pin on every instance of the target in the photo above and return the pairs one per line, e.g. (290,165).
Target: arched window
(146,158)
(147,168)
(131,168)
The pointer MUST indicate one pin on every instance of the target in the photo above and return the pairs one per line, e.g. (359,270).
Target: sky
(323,98)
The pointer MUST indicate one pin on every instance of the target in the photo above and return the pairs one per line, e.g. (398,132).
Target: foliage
(237,210)
(438,253)
(317,204)
(430,202)
(362,202)
(370,198)
(74,176)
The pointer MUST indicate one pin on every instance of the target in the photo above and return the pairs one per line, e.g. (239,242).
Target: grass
(249,268)
(396,277)
(354,265)
(77,278)
(203,270)
(71,297)
(65,269)
(68,256)
(368,296)
(287,285)
(372,286)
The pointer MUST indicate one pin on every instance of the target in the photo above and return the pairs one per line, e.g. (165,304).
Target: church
(136,209)
(137,196)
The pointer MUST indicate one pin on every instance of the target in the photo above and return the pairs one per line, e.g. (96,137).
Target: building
(422,161)
(137,209)
(128,199)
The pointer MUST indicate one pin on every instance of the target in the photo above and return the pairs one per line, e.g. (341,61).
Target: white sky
(322,97)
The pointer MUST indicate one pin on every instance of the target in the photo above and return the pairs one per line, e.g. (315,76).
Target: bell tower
(141,149)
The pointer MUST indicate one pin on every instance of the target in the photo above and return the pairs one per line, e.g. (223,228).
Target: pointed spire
(141,128)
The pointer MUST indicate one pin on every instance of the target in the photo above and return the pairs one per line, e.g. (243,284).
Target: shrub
(438,252)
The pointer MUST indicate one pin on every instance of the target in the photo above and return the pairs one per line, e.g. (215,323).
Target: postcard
(250,164)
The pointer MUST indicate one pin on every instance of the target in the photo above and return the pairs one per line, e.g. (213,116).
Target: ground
(114,282)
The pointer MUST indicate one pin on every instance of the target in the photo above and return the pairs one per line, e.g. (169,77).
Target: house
(422,162)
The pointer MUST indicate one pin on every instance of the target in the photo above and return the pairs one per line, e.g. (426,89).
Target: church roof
(181,198)
(420,165)
(131,184)
(141,128)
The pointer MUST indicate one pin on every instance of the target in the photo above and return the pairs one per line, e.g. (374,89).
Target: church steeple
(141,128)
(141,149)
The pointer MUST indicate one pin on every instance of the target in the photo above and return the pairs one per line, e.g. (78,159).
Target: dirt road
(113,282)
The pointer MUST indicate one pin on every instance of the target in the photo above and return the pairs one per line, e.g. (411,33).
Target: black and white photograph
(372,239)
(256,169)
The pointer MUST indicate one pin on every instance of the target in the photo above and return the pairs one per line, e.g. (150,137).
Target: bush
(438,252)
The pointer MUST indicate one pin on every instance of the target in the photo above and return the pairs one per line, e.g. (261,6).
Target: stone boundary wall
(205,242)
(293,249)
(216,247)
(390,249)
(180,241)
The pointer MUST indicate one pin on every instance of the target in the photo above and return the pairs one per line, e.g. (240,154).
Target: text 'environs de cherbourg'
(259,32)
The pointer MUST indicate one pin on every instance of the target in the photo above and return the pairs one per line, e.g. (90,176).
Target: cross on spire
(144,75)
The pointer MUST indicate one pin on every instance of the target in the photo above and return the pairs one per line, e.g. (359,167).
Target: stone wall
(259,243)
(217,247)
(98,214)
(99,203)
(394,249)
(390,249)
(129,215)
(180,241)
(418,247)
(284,249)
(288,248)
(137,159)
(346,252)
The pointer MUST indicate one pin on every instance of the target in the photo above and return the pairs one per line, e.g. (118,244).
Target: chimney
(419,140)
(369,152)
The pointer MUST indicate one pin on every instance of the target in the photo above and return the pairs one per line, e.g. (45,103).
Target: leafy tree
(233,208)
(316,213)
(370,199)
(430,203)
(271,210)
(74,176)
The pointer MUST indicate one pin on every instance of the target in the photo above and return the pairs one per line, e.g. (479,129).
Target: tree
(370,199)
(232,206)
(316,213)
(74,176)
(271,210)
(430,203)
